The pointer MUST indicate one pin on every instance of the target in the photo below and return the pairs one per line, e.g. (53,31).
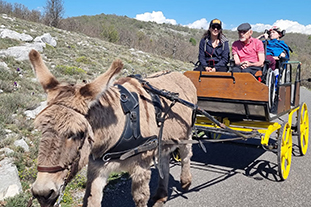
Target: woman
(213,49)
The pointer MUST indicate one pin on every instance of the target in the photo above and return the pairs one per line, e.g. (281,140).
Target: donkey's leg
(162,191)
(185,155)
(140,185)
(96,181)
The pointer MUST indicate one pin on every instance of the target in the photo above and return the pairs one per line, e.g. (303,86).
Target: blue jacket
(220,54)
(276,47)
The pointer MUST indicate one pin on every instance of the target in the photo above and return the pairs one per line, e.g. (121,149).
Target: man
(248,52)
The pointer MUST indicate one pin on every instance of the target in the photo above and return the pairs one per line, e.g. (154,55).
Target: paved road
(233,175)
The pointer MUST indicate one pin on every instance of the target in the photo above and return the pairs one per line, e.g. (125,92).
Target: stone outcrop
(10,183)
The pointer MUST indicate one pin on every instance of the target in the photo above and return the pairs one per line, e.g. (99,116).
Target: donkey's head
(66,133)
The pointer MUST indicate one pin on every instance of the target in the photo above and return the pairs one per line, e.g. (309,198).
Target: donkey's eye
(78,136)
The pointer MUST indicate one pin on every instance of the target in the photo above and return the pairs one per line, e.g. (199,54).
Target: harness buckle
(106,157)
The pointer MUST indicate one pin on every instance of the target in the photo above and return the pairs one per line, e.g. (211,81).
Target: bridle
(71,167)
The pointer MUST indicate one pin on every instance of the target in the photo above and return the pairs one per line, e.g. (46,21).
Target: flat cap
(244,27)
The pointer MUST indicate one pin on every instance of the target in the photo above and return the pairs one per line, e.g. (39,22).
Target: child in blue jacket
(276,48)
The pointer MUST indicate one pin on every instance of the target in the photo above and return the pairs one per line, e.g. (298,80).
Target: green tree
(110,33)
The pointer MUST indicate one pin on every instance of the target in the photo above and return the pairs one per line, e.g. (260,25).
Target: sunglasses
(216,27)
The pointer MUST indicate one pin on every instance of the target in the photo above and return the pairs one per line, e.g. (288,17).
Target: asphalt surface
(231,174)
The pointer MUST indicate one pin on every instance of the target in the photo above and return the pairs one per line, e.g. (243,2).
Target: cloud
(288,25)
(294,27)
(157,17)
(202,23)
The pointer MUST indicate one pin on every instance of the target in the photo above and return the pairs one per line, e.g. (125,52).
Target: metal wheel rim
(285,148)
(303,129)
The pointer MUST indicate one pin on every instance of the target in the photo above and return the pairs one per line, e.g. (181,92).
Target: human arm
(236,59)
(258,54)
(261,59)
(224,56)
(202,58)
(265,35)
(235,55)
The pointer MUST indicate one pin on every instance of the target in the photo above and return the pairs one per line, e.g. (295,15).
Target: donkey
(82,122)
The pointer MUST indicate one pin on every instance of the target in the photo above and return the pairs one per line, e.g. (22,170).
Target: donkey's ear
(102,82)
(44,76)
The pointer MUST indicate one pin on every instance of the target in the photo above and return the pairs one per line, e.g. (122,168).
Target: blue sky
(294,16)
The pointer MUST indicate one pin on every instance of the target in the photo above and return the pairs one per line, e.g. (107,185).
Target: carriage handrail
(218,76)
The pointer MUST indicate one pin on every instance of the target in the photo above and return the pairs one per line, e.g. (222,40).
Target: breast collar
(131,136)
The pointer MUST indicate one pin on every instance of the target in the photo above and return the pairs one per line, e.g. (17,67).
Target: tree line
(52,15)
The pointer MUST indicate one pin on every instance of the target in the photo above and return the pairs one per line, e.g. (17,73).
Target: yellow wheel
(303,129)
(176,155)
(285,147)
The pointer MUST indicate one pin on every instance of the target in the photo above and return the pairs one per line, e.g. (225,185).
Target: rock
(6,151)
(10,183)
(46,38)
(33,113)
(21,52)
(4,66)
(6,33)
(21,143)
(5,16)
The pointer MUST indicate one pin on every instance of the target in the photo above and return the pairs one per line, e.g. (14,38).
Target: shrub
(193,41)
(84,60)
(110,33)
(17,201)
(70,70)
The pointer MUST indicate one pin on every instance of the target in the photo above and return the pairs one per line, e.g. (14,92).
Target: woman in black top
(213,49)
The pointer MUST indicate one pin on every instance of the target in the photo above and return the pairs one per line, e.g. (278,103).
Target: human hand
(210,69)
(265,35)
(245,64)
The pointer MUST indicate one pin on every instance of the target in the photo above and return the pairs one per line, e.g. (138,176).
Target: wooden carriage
(243,103)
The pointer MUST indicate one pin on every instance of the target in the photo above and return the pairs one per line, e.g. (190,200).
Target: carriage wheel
(285,148)
(303,129)
(270,82)
(176,155)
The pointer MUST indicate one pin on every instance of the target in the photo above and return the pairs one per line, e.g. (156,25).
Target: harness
(131,141)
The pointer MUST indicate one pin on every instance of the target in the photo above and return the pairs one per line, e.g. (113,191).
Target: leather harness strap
(131,137)
(50,169)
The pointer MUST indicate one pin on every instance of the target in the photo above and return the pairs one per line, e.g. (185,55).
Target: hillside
(76,57)
(173,41)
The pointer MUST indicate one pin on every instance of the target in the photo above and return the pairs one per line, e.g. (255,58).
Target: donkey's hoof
(185,186)
(158,204)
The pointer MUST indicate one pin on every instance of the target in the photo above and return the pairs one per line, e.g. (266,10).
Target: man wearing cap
(213,49)
(248,52)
